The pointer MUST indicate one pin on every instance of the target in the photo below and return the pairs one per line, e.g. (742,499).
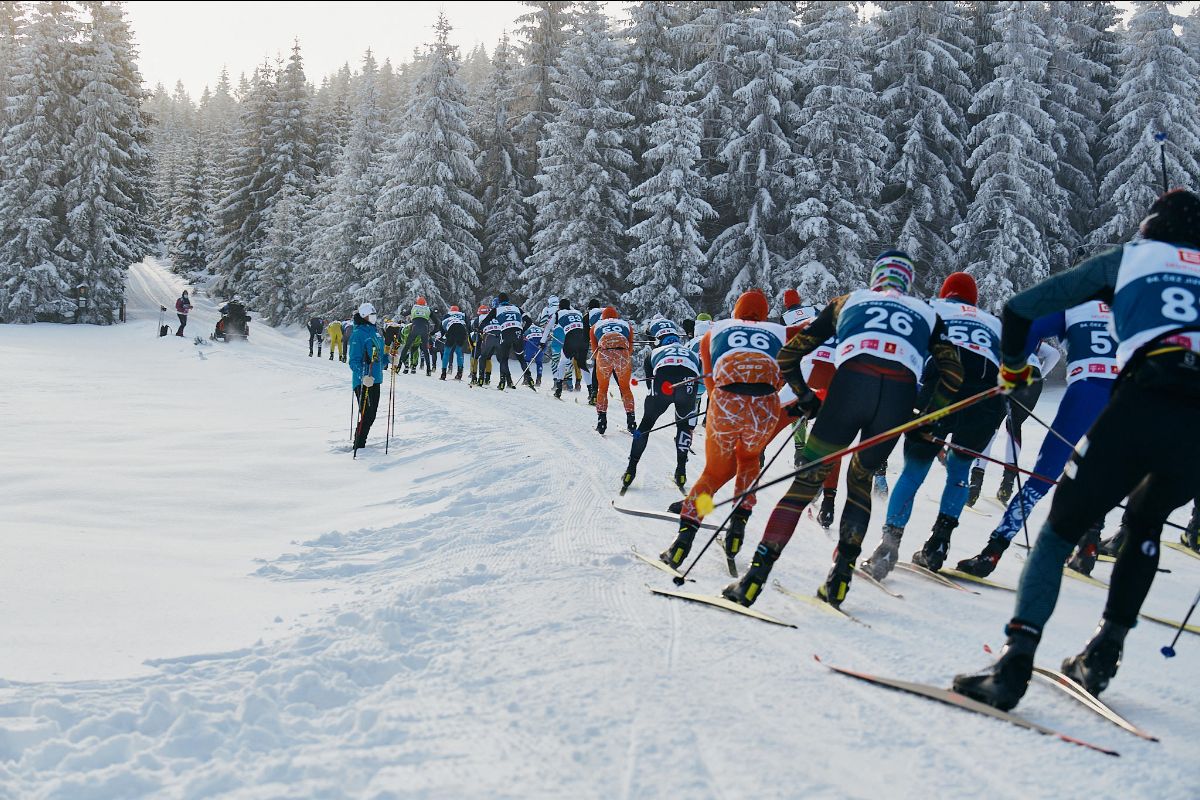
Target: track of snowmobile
(462,616)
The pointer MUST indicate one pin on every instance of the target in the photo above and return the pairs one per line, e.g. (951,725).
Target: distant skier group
(870,366)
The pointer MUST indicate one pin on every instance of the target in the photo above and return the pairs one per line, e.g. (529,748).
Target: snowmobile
(233,324)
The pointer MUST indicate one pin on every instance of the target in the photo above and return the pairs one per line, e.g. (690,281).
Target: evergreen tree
(543,30)
(669,256)
(506,226)
(189,256)
(426,217)
(653,60)
(578,247)
(840,147)
(290,140)
(1018,213)
(758,182)
(35,275)
(924,89)
(1157,92)
(280,258)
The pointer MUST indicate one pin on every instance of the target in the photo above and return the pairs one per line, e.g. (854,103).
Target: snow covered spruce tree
(344,221)
(1017,215)
(107,166)
(42,111)
(757,183)
(543,30)
(653,60)
(924,92)
(280,257)
(840,147)
(189,253)
(668,258)
(506,216)
(425,238)
(1157,92)
(581,207)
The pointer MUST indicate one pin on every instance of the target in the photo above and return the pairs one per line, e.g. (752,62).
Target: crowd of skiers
(870,367)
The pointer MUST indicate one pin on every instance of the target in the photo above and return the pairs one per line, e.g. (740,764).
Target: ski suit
(489,345)
(574,342)
(671,363)
(454,326)
(1091,373)
(336,343)
(612,342)
(505,320)
(418,334)
(883,339)
(316,329)
(366,357)
(532,337)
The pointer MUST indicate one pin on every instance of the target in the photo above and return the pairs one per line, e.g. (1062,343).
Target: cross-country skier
(796,315)
(884,337)
(418,334)
(337,343)
(316,331)
(976,335)
(366,357)
(1091,373)
(743,381)
(454,328)
(531,337)
(505,321)
(612,346)
(574,343)
(1145,445)
(670,362)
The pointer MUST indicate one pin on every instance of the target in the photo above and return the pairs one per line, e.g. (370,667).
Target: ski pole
(878,438)
(362,415)
(680,580)
(1168,651)
(162,310)
(976,454)
(387,442)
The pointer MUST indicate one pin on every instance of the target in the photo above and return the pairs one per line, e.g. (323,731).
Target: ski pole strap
(924,419)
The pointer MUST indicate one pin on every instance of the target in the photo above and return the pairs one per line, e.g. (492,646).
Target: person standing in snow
(366,357)
(182,306)
(337,342)
(316,328)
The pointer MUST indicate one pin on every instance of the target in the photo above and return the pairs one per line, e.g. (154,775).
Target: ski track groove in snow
(470,622)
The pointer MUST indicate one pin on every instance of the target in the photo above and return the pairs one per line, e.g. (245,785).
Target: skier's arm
(706,362)
(949,367)
(1093,279)
(807,340)
(1050,357)
(549,331)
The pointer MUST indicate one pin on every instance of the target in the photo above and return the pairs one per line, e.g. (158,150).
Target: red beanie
(961,286)
(791,298)
(752,305)
(609,313)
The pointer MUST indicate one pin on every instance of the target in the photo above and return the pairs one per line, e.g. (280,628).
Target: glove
(809,404)
(368,381)
(1011,379)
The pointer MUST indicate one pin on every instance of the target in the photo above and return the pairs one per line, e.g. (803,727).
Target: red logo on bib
(1189,256)
(870,344)
(889,348)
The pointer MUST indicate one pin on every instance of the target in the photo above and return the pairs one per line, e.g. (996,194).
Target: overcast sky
(190,41)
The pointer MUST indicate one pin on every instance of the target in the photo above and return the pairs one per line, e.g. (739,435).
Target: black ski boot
(1004,493)
(933,554)
(676,507)
(458,375)
(558,389)
(1190,538)
(883,560)
(674,555)
(1003,684)
(681,473)
(1097,664)
(528,381)
(630,421)
(976,486)
(735,534)
(601,422)
(1084,560)
(746,589)
(837,582)
(1111,547)
(630,474)
(443,377)
(538,382)
(982,565)
(828,501)
(591,396)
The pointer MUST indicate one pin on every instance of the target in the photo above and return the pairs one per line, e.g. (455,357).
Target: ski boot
(883,560)
(601,422)
(828,501)
(1097,664)
(746,589)
(406,369)
(1003,684)
(630,421)
(1110,547)
(458,375)
(501,386)
(982,565)
(879,486)
(933,554)
(674,555)
(1190,538)
(558,386)
(1084,560)
(443,377)
(630,474)
(591,396)
(1004,493)
(976,486)
(837,582)
(528,381)
(331,355)
(538,382)
(735,534)
(681,474)
(676,507)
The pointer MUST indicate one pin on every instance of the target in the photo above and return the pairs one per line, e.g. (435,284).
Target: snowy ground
(202,594)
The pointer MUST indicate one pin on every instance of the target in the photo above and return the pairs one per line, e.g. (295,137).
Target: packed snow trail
(476,625)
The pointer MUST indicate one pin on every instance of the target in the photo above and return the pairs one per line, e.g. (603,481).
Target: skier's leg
(604,371)
(652,409)
(919,454)
(624,378)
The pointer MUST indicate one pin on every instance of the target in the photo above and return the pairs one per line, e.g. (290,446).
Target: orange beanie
(960,286)
(791,298)
(752,305)
(609,313)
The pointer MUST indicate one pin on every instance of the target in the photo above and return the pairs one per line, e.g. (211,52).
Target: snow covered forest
(666,157)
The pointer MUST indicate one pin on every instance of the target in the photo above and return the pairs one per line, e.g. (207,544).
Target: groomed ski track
(462,617)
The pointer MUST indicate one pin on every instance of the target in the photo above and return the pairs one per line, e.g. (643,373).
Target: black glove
(809,403)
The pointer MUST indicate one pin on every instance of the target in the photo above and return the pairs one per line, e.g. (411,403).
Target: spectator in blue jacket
(366,356)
